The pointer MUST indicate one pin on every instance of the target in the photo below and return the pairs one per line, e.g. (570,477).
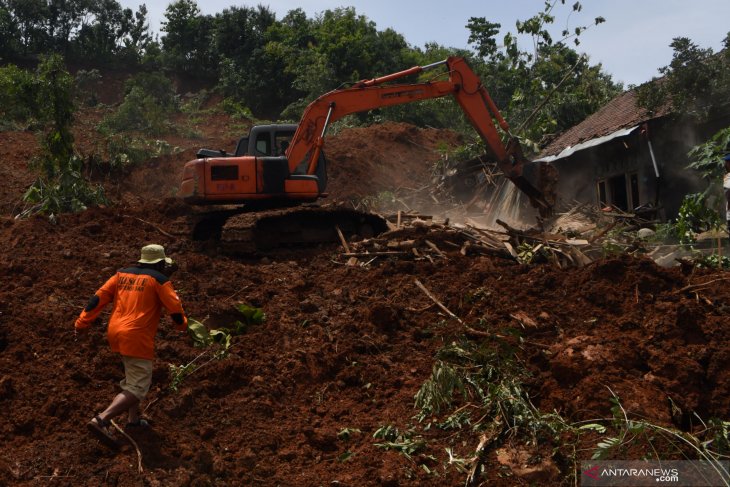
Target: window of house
(620,191)
(602,194)
(634,183)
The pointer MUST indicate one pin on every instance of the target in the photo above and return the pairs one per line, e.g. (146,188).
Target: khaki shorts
(138,376)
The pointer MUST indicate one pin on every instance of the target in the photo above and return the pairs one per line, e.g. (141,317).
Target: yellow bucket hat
(152,254)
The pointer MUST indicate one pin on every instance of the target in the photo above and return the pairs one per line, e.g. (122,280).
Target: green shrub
(695,217)
(67,192)
(86,82)
(18,95)
(61,186)
(149,100)
(236,109)
(156,85)
(119,153)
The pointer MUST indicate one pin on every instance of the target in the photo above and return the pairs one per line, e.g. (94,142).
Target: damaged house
(627,158)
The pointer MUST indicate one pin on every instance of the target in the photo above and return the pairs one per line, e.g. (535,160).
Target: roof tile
(621,112)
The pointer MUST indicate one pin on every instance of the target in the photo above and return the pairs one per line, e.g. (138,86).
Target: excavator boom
(462,83)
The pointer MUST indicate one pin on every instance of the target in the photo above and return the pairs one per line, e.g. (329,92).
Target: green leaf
(593,427)
(345,456)
(199,333)
(253,315)
(221,337)
(346,433)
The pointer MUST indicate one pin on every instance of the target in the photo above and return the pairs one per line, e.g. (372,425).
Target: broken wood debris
(435,300)
(342,240)
(572,239)
(420,238)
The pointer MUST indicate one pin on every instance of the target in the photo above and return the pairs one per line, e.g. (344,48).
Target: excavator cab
(267,140)
(257,170)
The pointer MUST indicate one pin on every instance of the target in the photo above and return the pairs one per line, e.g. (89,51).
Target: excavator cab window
(282,141)
(242,147)
(263,144)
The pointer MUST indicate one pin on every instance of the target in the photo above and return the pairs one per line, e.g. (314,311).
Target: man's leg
(99,426)
(133,414)
(137,381)
(123,401)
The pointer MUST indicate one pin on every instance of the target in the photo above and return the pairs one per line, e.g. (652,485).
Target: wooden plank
(401,244)
(510,249)
(435,248)
(370,254)
(342,239)
(438,303)
(577,241)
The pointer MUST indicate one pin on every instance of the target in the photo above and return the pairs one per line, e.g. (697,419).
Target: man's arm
(172,304)
(96,304)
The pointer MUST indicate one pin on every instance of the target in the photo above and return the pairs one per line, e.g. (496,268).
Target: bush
(86,82)
(695,217)
(149,99)
(236,109)
(120,153)
(155,85)
(18,95)
(61,187)
(68,192)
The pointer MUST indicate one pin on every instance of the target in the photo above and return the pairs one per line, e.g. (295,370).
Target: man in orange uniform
(139,293)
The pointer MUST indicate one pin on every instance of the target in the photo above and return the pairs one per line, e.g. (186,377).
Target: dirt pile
(343,350)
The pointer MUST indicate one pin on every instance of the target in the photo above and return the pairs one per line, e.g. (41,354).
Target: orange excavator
(280,166)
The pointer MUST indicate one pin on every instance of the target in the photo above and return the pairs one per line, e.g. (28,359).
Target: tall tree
(248,71)
(9,34)
(63,19)
(188,39)
(697,85)
(548,88)
(696,82)
(98,41)
(137,36)
(336,47)
(29,18)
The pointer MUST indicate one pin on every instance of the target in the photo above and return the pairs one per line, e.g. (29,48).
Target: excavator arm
(365,95)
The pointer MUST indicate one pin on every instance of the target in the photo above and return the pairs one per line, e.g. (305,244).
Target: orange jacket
(139,294)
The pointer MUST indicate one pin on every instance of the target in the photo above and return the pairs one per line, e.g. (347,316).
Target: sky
(631,45)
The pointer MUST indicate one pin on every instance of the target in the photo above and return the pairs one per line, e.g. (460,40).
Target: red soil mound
(342,348)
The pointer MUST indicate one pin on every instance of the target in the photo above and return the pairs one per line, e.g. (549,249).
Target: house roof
(620,113)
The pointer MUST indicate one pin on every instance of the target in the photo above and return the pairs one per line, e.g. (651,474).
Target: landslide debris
(346,344)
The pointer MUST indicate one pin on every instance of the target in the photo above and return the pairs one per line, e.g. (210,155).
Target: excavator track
(248,231)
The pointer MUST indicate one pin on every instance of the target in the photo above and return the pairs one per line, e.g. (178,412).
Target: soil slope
(343,348)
